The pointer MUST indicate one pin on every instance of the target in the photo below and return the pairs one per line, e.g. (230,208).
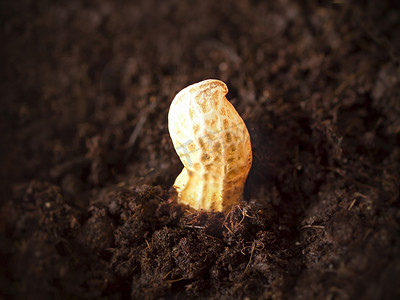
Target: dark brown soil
(87,163)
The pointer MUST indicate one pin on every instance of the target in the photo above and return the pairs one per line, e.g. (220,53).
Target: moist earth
(87,165)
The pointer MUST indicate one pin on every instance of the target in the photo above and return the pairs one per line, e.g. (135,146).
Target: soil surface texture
(87,165)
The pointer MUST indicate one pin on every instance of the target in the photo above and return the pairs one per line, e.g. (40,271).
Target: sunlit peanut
(213,144)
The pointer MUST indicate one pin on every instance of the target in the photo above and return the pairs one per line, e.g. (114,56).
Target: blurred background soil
(87,164)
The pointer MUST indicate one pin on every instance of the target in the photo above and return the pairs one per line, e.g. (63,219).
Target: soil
(87,165)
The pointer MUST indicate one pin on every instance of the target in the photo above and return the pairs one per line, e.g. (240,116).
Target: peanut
(213,144)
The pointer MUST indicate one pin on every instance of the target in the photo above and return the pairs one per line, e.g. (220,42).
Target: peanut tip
(213,144)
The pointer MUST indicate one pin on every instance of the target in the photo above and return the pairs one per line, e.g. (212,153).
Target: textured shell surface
(213,144)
